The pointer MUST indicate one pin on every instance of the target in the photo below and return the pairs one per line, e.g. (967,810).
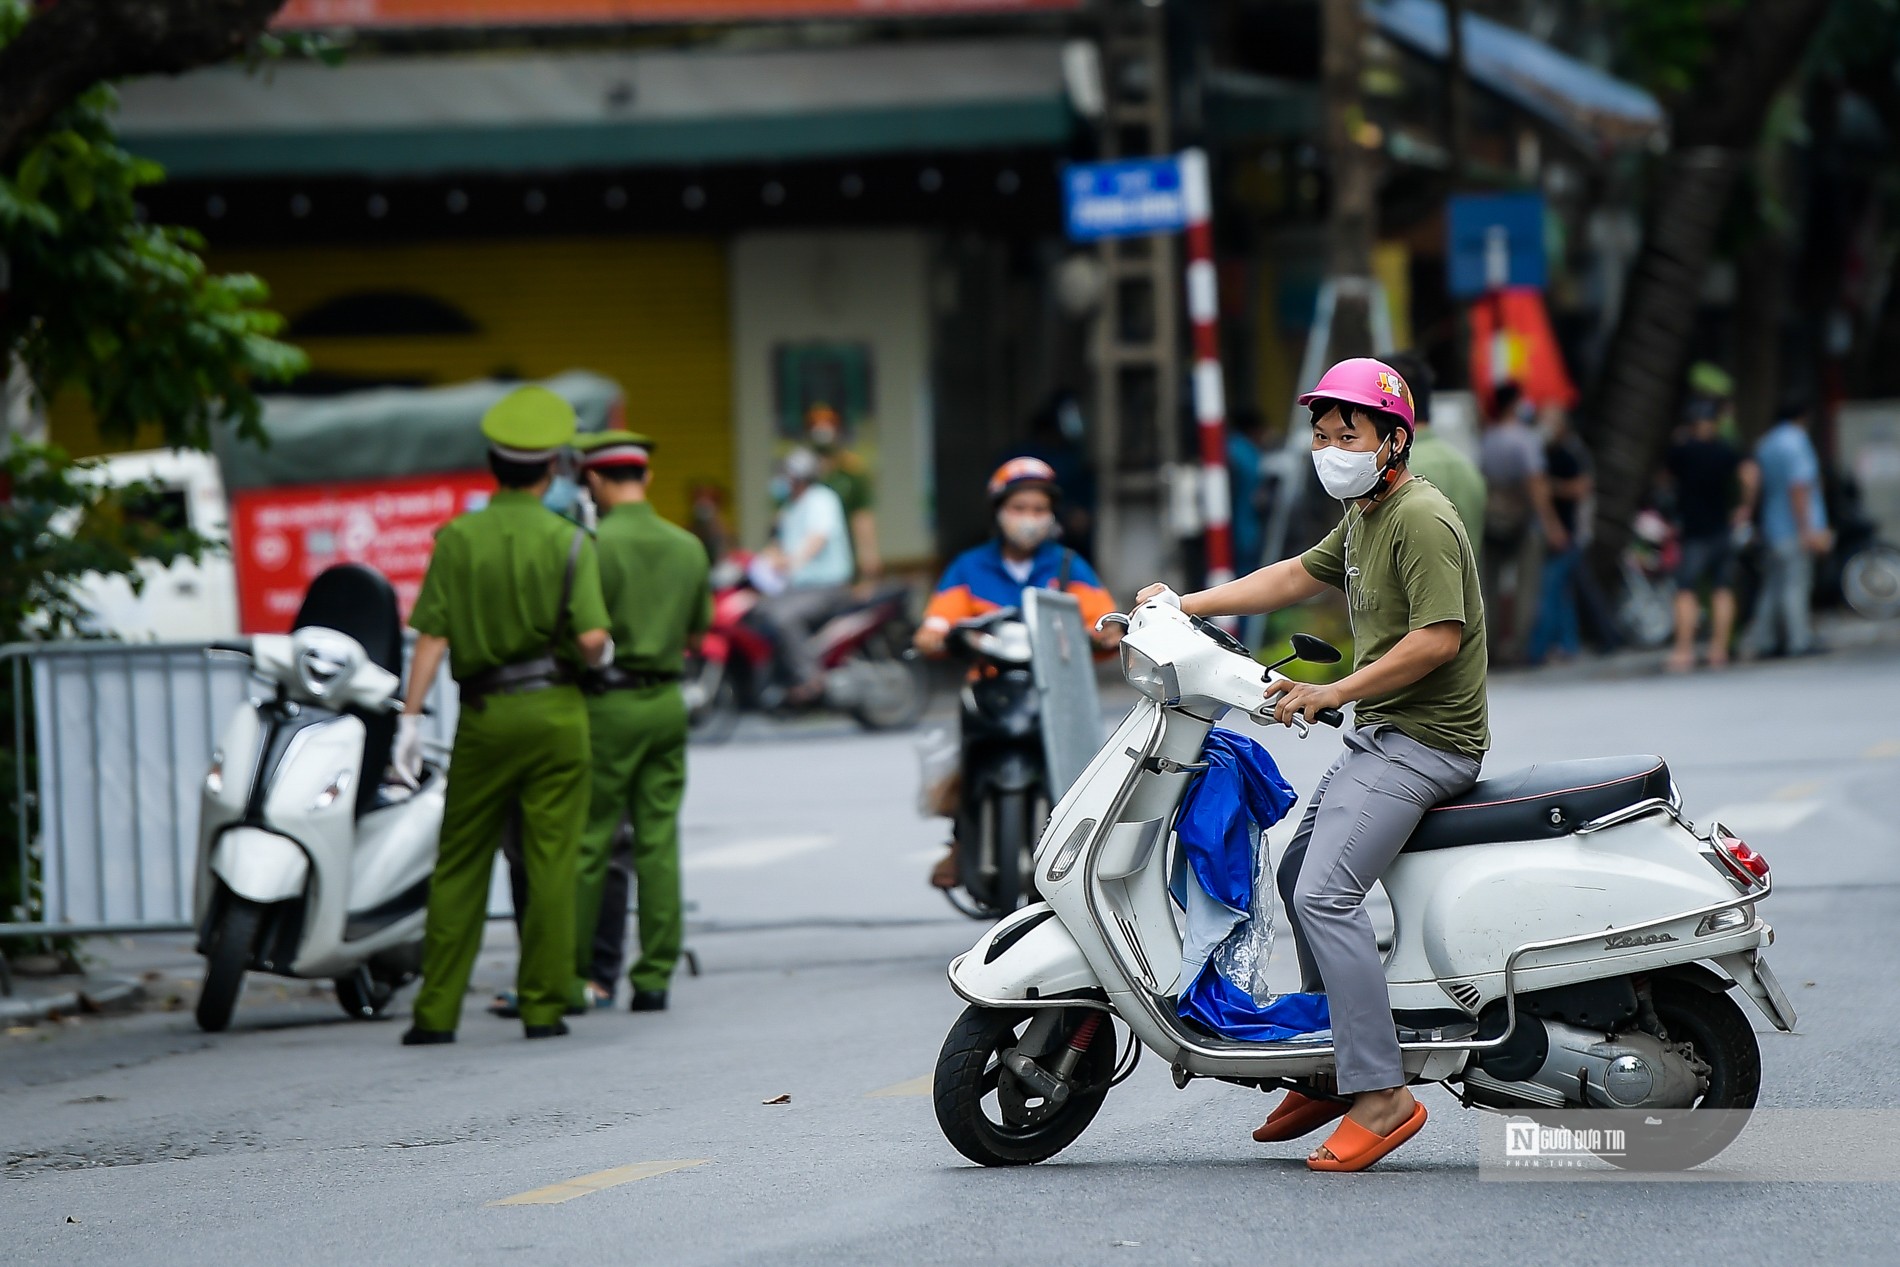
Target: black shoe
(647,1001)
(420,1037)
(556,1030)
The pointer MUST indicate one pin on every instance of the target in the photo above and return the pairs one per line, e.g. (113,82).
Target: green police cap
(602,449)
(529,424)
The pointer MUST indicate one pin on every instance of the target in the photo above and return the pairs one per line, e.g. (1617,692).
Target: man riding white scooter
(1410,577)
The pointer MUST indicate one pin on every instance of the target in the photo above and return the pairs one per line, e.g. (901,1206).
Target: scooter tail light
(1747,865)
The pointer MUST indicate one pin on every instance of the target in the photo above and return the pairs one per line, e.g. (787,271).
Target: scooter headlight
(1155,680)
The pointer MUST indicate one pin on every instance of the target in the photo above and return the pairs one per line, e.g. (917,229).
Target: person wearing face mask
(844,473)
(1026,553)
(1419,734)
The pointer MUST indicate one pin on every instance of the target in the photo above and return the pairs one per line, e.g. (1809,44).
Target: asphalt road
(300,1137)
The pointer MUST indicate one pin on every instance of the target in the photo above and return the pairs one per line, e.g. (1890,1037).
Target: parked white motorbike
(308,866)
(1555,929)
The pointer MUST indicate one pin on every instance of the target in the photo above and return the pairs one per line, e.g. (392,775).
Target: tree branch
(70,45)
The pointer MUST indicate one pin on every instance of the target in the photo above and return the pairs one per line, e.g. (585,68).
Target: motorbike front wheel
(989,1115)
(712,701)
(230,946)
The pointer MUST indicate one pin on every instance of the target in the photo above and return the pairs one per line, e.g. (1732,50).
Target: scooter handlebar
(1330,717)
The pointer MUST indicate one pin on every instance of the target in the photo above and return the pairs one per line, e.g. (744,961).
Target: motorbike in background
(1646,609)
(309,866)
(1003,778)
(860,648)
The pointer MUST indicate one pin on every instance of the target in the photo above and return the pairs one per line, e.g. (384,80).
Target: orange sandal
(1297,1115)
(1354,1147)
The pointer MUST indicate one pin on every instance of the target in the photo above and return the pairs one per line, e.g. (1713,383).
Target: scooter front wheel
(994,1117)
(229,947)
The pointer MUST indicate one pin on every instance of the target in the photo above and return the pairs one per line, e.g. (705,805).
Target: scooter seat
(1541,802)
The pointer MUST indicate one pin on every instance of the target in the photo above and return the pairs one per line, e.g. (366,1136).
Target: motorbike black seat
(359,601)
(1541,802)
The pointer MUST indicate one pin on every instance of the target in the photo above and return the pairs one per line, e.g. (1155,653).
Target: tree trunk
(1352,215)
(1457,96)
(1753,51)
(70,45)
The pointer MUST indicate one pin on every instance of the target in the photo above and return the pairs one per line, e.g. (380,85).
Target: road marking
(1885,748)
(599,1181)
(920,1085)
(1766,816)
(755,853)
(1798,791)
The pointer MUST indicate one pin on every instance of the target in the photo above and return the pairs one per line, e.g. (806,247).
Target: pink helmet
(1364,381)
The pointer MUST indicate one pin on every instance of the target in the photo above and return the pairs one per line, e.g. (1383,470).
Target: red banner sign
(420,13)
(282,537)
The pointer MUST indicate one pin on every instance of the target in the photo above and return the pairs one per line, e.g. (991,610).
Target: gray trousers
(1361,815)
(793,616)
(1781,609)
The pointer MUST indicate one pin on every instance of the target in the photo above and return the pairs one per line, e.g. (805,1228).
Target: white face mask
(1345,474)
(1026,532)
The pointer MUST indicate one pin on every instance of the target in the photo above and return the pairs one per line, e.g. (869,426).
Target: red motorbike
(860,646)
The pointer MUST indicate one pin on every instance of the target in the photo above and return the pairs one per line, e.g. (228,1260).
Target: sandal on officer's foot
(647,1001)
(420,1037)
(1353,1147)
(556,1030)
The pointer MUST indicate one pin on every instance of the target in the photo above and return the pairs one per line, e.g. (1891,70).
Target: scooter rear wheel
(991,1116)
(1717,1033)
(230,945)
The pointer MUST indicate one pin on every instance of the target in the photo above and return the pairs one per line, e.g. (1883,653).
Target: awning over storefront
(306,14)
(413,116)
(1593,108)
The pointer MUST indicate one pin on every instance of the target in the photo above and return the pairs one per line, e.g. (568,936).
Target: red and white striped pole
(1210,397)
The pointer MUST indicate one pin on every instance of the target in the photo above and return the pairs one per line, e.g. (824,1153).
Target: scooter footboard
(1027,960)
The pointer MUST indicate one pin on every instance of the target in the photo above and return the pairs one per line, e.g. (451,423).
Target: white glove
(1167,598)
(606,656)
(406,759)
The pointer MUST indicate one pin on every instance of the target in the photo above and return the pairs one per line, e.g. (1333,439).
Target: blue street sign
(1493,241)
(1122,199)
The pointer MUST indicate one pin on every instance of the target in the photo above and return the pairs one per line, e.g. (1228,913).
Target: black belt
(538,674)
(615,678)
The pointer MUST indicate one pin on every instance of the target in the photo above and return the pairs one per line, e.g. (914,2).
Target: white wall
(868,287)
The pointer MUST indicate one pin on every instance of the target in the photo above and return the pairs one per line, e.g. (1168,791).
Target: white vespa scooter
(1554,928)
(307,865)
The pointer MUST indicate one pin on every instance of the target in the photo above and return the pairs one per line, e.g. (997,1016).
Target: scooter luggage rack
(1192,1046)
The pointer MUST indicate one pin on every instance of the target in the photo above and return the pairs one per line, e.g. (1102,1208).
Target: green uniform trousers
(639,739)
(527,750)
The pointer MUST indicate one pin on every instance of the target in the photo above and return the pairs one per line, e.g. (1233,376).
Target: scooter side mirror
(1314,650)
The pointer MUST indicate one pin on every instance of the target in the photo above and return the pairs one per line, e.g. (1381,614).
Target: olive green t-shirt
(1404,565)
(494,582)
(654,576)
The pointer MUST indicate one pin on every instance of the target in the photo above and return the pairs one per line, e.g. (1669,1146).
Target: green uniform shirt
(1455,475)
(654,575)
(1404,565)
(494,582)
(851,484)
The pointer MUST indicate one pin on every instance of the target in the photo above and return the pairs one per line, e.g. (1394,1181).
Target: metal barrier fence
(123,734)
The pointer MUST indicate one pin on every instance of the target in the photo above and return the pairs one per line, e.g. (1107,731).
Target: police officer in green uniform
(654,576)
(513,595)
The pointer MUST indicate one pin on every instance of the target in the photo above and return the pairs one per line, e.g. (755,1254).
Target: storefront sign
(439,13)
(282,537)
(1127,198)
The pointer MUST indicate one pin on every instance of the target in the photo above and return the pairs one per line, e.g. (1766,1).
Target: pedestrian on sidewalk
(1433,458)
(1715,495)
(1518,519)
(505,586)
(1572,480)
(1793,530)
(654,577)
